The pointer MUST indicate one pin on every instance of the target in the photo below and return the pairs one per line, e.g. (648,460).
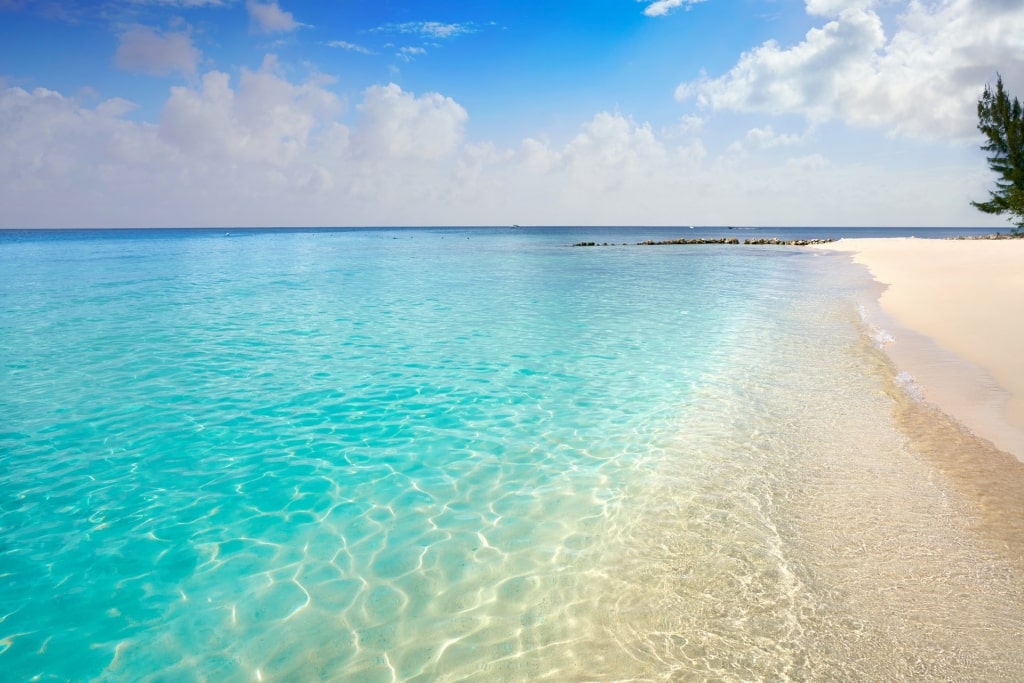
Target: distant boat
(514,225)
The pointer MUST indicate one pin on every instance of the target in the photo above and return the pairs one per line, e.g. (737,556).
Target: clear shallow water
(469,455)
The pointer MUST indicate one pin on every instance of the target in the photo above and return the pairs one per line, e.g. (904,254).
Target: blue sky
(349,112)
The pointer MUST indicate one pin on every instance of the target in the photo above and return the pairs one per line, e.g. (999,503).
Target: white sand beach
(958,313)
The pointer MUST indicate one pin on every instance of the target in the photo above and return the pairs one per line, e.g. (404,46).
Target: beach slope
(957,312)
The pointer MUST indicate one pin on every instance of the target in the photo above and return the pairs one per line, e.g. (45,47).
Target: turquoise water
(465,455)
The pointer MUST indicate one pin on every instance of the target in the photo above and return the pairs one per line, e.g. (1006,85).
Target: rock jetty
(775,241)
(696,240)
(789,243)
(994,236)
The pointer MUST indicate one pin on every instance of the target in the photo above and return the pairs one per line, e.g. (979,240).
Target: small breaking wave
(905,381)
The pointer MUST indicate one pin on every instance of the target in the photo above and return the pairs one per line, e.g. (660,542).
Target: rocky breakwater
(716,240)
(696,240)
(788,243)
(994,236)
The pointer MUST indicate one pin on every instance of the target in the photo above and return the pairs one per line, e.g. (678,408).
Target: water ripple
(293,458)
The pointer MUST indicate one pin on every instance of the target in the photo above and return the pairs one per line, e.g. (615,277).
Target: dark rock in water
(787,243)
(718,240)
(995,236)
(695,240)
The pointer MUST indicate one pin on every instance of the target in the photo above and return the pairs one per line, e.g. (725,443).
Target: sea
(483,454)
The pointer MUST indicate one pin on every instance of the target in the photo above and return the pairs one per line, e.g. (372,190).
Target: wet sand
(954,311)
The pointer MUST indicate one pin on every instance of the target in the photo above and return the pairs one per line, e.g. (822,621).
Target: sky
(179,113)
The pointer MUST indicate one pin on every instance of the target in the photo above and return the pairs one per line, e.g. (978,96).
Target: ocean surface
(479,455)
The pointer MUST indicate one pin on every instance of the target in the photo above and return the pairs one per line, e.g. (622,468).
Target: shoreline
(952,308)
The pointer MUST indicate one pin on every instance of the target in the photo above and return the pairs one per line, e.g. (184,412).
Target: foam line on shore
(957,308)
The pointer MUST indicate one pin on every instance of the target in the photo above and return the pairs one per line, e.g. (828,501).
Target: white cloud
(61,159)
(767,138)
(690,124)
(159,54)
(270,18)
(758,140)
(397,124)
(267,120)
(811,162)
(831,8)
(613,171)
(114,108)
(351,47)
(923,82)
(537,157)
(410,53)
(613,148)
(261,149)
(434,30)
(182,3)
(660,8)
(808,78)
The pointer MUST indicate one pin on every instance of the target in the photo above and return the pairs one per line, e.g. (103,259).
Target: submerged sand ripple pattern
(812,541)
(307,458)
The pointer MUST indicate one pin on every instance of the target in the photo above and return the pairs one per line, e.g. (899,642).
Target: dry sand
(957,318)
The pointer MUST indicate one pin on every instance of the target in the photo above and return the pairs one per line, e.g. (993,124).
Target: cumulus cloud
(922,81)
(612,148)
(61,161)
(266,120)
(537,156)
(399,125)
(268,17)
(146,50)
(263,149)
(660,8)
(767,138)
(831,8)
(808,78)
(689,125)
(248,153)
(757,141)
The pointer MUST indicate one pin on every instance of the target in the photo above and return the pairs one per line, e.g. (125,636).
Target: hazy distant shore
(959,304)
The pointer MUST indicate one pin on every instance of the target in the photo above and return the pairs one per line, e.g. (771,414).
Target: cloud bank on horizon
(252,113)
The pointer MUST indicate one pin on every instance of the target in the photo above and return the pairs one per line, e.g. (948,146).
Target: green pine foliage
(1001,120)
